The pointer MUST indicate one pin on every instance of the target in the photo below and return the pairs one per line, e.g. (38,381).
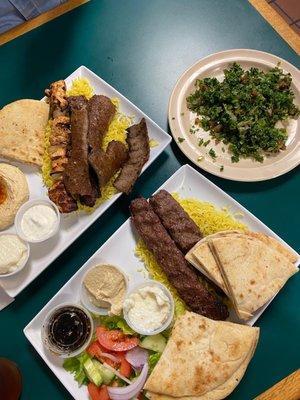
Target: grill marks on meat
(139,151)
(170,258)
(106,164)
(177,222)
(76,175)
(59,195)
(59,145)
(57,98)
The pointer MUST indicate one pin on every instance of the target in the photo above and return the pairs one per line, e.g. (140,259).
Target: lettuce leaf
(115,322)
(74,365)
(153,360)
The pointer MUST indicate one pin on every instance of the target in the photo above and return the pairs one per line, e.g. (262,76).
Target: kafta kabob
(157,231)
(80,167)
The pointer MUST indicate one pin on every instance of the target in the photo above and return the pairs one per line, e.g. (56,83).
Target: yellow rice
(208,218)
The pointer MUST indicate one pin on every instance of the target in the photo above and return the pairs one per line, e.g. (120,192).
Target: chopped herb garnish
(180,139)
(182,113)
(243,110)
(206,143)
(212,153)
(192,131)
(200,158)
(223,149)
(200,143)
(222,168)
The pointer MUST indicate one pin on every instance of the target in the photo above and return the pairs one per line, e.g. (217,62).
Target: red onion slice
(137,357)
(128,392)
(110,356)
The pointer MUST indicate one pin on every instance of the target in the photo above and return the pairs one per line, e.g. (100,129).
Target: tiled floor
(289,10)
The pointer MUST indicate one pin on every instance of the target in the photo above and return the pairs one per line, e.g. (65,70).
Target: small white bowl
(168,321)
(55,350)
(85,297)
(25,260)
(26,206)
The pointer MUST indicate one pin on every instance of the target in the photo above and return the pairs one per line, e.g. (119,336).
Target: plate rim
(204,167)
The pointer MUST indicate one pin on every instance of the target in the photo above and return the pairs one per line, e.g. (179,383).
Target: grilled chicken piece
(57,98)
(60,131)
(59,195)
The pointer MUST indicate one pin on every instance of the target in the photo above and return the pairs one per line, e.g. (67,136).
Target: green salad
(243,110)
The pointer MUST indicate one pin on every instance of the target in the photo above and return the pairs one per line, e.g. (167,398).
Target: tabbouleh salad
(244,109)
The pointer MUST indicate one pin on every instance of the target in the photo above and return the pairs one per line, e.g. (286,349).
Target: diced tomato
(103,393)
(93,391)
(95,350)
(115,340)
(125,368)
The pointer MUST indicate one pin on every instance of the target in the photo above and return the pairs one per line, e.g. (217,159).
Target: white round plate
(181,119)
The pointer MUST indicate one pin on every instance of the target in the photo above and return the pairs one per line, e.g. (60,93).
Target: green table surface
(141,48)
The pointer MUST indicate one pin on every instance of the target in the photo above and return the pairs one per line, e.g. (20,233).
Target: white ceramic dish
(180,119)
(22,266)
(188,183)
(73,225)
(168,321)
(26,206)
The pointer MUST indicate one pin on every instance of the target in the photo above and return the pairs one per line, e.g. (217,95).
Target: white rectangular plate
(73,225)
(119,250)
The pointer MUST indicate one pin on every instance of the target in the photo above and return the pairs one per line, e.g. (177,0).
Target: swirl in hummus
(106,287)
(13,193)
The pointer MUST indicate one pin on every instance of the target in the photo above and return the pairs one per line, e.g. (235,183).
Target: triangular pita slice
(292,256)
(201,257)
(201,356)
(22,130)
(253,271)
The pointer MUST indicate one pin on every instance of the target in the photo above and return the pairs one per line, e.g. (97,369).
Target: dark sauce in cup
(68,329)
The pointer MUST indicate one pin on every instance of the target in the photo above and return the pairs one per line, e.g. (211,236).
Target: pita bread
(204,359)
(272,242)
(253,272)
(22,130)
(221,391)
(201,257)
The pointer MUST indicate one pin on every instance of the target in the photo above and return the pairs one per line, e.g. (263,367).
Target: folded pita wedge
(203,359)
(253,272)
(201,257)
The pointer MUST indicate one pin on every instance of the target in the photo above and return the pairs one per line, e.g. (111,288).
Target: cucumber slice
(106,374)
(156,343)
(92,372)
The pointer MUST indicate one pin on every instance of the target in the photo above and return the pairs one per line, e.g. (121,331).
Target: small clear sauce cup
(26,206)
(165,324)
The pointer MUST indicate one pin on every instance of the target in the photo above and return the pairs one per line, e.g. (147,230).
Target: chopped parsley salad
(243,111)
(117,362)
